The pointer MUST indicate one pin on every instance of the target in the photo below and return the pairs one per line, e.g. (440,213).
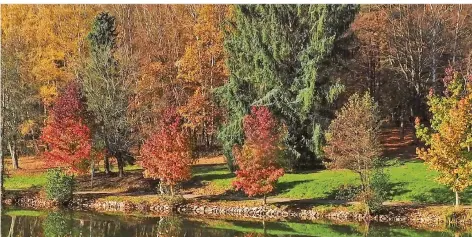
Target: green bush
(59,186)
(348,192)
(380,187)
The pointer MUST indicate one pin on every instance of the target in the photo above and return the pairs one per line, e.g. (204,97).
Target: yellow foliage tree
(52,40)
(449,136)
(201,69)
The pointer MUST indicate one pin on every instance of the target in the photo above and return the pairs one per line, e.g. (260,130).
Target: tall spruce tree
(107,90)
(279,56)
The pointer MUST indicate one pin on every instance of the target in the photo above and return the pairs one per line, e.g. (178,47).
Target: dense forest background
(211,63)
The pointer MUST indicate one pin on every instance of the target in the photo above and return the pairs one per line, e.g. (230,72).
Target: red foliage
(166,155)
(66,136)
(258,158)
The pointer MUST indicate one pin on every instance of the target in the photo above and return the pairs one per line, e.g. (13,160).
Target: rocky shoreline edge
(413,216)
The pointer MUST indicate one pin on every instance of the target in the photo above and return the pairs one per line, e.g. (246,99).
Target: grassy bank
(411,181)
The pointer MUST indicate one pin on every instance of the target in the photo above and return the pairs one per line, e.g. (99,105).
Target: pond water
(23,223)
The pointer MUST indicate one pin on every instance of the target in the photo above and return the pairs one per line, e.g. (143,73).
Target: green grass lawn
(25,181)
(411,181)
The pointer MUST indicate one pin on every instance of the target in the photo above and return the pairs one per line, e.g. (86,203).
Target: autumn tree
(371,69)
(259,159)
(201,69)
(353,139)
(166,155)
(52,39)
(160,37)
(108,90)
(66,135)
(401,51)
(449,137)
(20,106)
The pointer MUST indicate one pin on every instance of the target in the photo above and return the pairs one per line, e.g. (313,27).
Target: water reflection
(26,223)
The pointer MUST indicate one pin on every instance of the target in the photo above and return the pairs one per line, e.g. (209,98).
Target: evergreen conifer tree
(277,57)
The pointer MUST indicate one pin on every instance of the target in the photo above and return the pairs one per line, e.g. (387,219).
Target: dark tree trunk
(92,172)
(36,147)
(121,171)
(106,163)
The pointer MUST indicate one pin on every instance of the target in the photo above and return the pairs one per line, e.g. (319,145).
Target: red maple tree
(258,159)
(166,155)
(66,136)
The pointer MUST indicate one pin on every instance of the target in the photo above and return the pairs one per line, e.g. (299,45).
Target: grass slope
(412,181)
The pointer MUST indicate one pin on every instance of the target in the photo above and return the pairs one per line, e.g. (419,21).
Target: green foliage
(379,185)
(349,192)
(59,186)
(58,224)
(378,192)
(277,56)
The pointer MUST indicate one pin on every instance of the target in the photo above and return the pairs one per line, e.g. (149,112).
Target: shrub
(59,186)
(379,187)
(348,192)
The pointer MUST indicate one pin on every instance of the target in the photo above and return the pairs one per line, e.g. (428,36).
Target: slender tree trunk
(120,167)
(13,154)
(106,163)
(457,199)
(265,200)
(36,147)
(92,172)
(402,125)
(172,190)
(161,188)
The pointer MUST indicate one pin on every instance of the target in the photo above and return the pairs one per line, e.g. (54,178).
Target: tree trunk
(265,200)
(36,147)
(402,125)
(171,190)
(457,199)
(92,172)
(13,154)
(161,188)
(106,163)
(120,167)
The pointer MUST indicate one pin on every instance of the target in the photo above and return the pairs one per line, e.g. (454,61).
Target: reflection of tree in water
(58,224)
(170,226)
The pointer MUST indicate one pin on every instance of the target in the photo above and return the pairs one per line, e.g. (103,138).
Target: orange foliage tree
(66,136)
(166,155)
(259,158)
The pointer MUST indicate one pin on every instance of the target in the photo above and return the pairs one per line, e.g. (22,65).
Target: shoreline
(410,215)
